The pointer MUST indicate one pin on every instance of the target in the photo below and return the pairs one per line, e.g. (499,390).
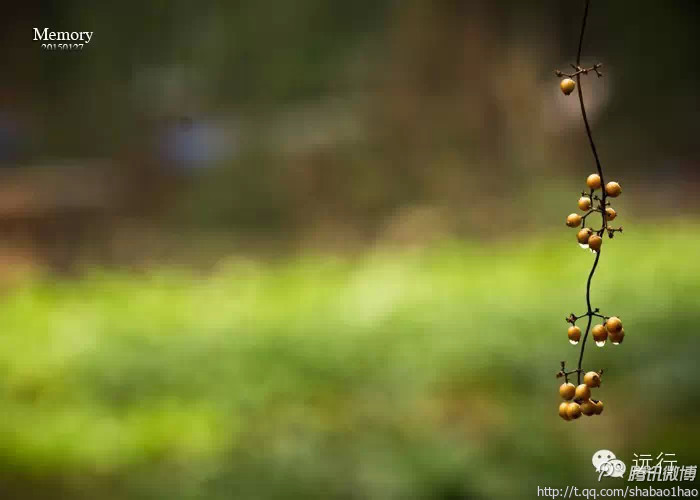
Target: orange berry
(617,338)
(611,213)
(584,203)
(613,324)
(588,408)
(583,236)
(593,181)
(598,407)
(574,333)
(562,411)
(567,391)
(583,392)
(573,411)
(592,379)
(600,334)
(613,189)
(573,220)
(595,242)
(567,86)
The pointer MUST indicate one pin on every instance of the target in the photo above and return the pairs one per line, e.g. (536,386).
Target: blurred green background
(268,249)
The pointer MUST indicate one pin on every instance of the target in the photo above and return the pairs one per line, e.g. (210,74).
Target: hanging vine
(577,398)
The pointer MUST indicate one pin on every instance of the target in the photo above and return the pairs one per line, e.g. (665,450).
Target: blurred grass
(397,374)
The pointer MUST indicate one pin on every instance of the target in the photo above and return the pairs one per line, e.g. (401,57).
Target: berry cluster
(589,237)
(611,328)
(581,395)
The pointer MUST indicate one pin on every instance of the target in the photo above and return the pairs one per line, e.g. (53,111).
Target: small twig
(573,318)
(613,230)
(581,71)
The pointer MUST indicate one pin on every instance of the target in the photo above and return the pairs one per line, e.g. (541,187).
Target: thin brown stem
(590,314)
(583,30)
(602,182)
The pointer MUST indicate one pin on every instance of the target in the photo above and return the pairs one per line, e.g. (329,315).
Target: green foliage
(410,374)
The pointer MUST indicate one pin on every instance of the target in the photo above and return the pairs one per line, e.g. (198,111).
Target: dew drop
(600,343)
(615,343)
(583,245)
(574,342)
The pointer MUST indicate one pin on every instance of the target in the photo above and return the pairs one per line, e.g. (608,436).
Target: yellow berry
(573,220)
(584,203)
(600,334)
(563,411)
(592,379)
(573,411)
(583,392)
(594,242)
(598,407)
(617,338)
(567,85)
(611,213)
(567,391)
(583,235)
(613,189)
(574,333)
(588,408)
(613,324)
(593,181)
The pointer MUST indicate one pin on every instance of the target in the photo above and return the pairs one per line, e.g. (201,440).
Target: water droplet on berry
(600,343)
(615,343)
(583,245)
(574,342)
